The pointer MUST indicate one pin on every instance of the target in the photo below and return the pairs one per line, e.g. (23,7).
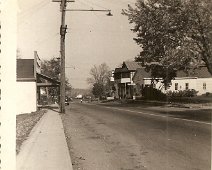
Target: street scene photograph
(113,85)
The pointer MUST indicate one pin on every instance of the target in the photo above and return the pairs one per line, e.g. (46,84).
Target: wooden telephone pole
(63,28)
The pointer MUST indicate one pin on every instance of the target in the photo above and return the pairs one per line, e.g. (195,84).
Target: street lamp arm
(103,10)
(91,10)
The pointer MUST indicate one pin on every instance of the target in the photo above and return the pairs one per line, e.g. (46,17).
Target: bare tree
(100,77)
(99,74)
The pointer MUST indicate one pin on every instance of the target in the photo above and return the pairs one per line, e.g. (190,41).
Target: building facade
(26,86)
(29,84)
(199,80)
(123,79)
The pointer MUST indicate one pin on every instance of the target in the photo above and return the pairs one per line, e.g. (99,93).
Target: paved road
(123,138)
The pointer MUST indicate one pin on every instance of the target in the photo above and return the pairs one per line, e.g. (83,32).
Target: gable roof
(141,72)
(120,70)
(131,65)
(201,72)
(144,72)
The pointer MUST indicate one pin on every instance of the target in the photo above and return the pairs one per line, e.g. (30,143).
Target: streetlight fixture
(109,13)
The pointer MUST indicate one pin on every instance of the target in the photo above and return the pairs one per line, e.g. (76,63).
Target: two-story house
(123,79)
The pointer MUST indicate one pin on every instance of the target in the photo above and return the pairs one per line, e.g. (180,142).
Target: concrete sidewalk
(46,147)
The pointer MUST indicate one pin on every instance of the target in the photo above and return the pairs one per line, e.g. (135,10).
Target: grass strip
(24,125)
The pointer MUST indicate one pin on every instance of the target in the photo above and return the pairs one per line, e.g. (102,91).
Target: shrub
(208,94)
(151,93)
(182,93)
(190,93)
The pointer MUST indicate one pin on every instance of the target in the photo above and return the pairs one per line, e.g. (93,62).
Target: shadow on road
(168,109)
(197,114)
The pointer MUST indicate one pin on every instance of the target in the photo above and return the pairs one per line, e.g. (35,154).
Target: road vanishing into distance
(125,137)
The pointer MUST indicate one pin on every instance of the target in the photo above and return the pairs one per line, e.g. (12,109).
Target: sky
(92,38)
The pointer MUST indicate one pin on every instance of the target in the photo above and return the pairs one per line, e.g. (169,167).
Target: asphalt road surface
(108,137)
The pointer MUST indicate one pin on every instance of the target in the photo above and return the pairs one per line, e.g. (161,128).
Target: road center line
(157,115)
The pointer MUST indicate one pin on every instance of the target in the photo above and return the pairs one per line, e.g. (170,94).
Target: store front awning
(48,81)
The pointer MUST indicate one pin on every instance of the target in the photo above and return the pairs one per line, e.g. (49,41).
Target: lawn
(24,125)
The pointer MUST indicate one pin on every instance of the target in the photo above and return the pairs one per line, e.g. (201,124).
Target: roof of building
(143,72)
(131,65)
(120,70)
(25,68)
(45,77)
(26,73)
(201,72)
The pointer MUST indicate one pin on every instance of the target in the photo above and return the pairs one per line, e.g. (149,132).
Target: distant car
(79,96)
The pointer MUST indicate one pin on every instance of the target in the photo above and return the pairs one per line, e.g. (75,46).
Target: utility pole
(63,29)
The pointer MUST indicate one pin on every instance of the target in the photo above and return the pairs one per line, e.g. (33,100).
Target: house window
(176,86)
(187,86)
(204,86)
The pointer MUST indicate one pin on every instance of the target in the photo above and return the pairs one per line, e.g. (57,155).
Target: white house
(26,86)
(199,80)
(29,83)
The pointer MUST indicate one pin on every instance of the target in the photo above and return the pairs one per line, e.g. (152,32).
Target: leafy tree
(51,68)
(173,34)
(98,90)
(100,77)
